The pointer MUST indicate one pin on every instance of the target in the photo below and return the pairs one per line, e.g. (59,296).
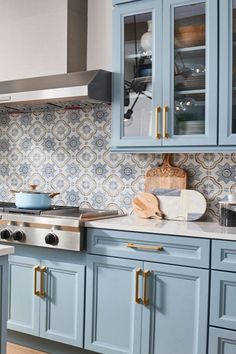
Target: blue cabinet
(222,341)
(165,82)
(164,305)
(227,80)
(23,312)
(175,317)
(47,299)
(223,305)
(113,317)
(3,302)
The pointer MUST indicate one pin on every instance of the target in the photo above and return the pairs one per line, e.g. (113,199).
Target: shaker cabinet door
(62,304)
(222,341)
(175,318)
(23,307)
(190,72)
(113,318)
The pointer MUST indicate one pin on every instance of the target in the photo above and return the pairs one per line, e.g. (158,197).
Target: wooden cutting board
(146,205)
(165,176)
(181,204)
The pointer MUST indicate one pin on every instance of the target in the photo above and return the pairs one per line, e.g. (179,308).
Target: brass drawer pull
(145,247)
(138,299)
(165,132)
(36,269)
(147,273)
(42,292)
(157,111)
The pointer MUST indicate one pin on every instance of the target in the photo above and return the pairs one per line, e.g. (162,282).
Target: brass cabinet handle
(165,132)
(138,299)
(157,111)
(36,269)
(145,247)
(42,292)
(146,274)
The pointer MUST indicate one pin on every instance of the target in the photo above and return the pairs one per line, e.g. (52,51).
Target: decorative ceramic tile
(68,151)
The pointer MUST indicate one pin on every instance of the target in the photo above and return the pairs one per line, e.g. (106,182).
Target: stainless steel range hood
(90,86)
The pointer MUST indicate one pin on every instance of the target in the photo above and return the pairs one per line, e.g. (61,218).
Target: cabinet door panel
(62,309)
(189,70)
(113,319)
(23,304)
(223,304)
(227,86)
(222,341)
(137,78)
(175,321)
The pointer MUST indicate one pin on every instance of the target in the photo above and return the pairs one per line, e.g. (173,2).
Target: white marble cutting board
(181,204)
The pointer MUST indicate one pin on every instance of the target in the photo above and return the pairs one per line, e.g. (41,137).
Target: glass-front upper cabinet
(227,83)
(165,73)
(137,83)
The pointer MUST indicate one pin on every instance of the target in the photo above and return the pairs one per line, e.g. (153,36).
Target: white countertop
(201,229)
(6,250)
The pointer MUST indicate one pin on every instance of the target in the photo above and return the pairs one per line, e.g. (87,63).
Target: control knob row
(17,235)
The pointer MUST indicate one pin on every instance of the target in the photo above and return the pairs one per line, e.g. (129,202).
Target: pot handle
(52,195)
(13,191)
(33,186)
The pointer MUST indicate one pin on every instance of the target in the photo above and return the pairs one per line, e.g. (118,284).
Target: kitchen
(96,160)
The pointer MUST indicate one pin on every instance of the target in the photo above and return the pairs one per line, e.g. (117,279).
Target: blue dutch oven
(33,199)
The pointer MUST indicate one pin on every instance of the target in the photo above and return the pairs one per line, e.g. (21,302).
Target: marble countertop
(133,223)
(6,250)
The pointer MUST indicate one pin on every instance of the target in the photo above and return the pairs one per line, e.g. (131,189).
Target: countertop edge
(209,230)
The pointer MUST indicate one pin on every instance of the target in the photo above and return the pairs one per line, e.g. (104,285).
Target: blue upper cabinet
(165,74)
(227,96)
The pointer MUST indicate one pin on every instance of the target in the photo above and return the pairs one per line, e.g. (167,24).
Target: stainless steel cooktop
(60,227)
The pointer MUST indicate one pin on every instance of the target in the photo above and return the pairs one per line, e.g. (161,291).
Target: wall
(68,151)
(99,51)
(24,40)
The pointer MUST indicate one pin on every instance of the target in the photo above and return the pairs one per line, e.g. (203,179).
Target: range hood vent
(87,86)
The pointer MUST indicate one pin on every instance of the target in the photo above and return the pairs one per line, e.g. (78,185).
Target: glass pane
(138,75)
(189,114)
(190,70)
(234,70)
(190,25)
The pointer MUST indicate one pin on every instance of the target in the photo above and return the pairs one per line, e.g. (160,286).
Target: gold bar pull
(145,247)
(157,111)
(138,299)
(36,269)
(42,272)
(146,274)
(165,132)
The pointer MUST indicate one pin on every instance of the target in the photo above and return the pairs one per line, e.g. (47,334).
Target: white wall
(99,54)
(33,38)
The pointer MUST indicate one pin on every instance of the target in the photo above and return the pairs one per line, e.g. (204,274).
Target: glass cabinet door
(190,73)
(227,87)
(137,74)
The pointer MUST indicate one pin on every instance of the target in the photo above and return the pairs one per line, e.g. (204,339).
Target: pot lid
(32,190)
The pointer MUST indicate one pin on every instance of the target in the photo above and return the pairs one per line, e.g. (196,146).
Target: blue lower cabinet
(3,302)
(113,318)
(62,304)
(23,308)
(46,299)
(175,318)
(223,300)
(222,341)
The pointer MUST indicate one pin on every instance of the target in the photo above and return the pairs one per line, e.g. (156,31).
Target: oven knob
(18,235)
(5,234)
(51,239)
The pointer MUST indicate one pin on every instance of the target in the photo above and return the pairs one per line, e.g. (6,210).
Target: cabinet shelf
(188,92)
(190,49)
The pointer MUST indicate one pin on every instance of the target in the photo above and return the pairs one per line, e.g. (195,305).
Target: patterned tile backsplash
(68,151)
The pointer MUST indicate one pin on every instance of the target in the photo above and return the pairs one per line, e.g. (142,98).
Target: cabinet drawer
(224,255)
(223,296)
(222,341)
(151,247)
